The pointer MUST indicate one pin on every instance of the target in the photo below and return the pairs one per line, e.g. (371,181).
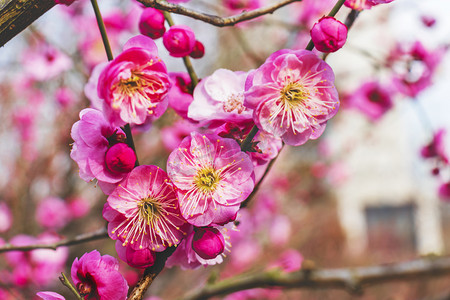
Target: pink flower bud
(152,23)
(120,158)
(329,35)
(208,242)
(140,259)
(444,191)
(179,40)
(198,51)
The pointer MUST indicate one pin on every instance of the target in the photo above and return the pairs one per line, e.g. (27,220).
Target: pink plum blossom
(93,136)
(143,211)
(141,259)
(292,95)
(65,97)
(329,34)
(98,277)
(134,85)
(212,175)
(179,40)
(53,213)
(180,95)
(220,96)
(372,99)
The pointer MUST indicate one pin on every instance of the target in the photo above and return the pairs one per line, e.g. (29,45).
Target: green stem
(69,285)
(186,59)
(101,27)
(246,144)
(332,13)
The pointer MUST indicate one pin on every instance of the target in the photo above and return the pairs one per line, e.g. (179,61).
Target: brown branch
(351,279)
(79,239)
(19,14)
(212,19)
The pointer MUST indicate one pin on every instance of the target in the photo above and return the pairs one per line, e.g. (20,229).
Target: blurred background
(373,189)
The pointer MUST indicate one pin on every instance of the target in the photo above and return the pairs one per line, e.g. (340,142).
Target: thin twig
(65,281)
(79,239)
(350,279)
(212,19)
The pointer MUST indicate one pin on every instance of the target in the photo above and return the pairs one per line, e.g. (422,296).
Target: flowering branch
(212,19)
(79,239)
(350,279)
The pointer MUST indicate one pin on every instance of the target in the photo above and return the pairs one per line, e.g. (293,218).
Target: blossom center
(149,209)
(234,102)
(130,85)
(206,179)
(294,94)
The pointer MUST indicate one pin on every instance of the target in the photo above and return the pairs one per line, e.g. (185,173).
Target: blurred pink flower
(98,277)
(143,211)
(237,6)
(212,175)
(66,2)
(39,266)
(65,97)
(173,135)
(312,10)
(45,62)
(5,217)
(289,261)
(372,99)
(220,96)
(134,85)
(436,148)
(413,67)
(53,213)
(329,34)
(292,95)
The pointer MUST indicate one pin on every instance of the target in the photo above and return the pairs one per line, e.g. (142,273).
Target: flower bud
(198,51)
(120,158)
(208,242)
(151,23)
(140,259)
(328,34)
(179,40)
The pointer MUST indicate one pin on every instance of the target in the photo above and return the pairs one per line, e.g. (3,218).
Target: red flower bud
(329,35)
(120,158)
(208,242)
(151,23)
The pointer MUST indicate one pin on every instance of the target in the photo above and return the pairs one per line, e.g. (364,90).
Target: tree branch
(212,19)
(79,239)
(18,15)
(351,279)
